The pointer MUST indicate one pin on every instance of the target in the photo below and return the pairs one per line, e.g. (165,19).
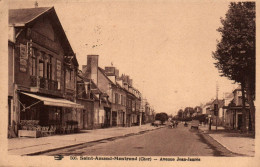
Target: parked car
(195,124)
(156,123)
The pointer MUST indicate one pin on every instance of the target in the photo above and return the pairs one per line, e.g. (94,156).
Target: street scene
(131,79)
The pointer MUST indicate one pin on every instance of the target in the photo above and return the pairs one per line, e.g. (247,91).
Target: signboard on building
(23,57)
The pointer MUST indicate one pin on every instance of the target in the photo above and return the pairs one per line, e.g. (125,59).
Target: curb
(94,141)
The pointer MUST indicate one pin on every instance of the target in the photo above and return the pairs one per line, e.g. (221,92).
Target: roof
(26,15)
(219,102)
(95,91)
(103,72)
(237,89)
(209,103)
(230,95)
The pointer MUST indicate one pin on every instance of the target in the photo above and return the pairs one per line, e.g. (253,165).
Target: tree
(198,109)
(161,117)
(180,112)
(189,111)
(235,53)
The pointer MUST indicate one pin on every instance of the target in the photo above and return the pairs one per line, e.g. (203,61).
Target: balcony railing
(44,83)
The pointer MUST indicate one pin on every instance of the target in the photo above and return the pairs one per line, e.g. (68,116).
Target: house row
(45,84)
(230,110)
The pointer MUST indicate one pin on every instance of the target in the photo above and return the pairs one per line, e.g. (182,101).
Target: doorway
(239,121)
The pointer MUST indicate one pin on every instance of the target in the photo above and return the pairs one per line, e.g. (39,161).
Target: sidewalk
(24,146)
(234,141)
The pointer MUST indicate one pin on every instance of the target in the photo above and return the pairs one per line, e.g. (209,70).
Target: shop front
(47,115)
(107,117)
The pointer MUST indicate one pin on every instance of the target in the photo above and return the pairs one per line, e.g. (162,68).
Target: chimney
(92,67)
(36,4)
(131,82)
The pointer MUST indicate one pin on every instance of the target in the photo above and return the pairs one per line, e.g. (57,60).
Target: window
(41,65)
(72,84)
(116,98)
(41,68)
(33,62)
(58,67)
(49,68)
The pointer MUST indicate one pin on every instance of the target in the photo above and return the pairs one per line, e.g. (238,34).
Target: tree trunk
(243,127)
(251,105)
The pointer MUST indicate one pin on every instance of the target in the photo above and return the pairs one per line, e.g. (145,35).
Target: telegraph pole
(216,108)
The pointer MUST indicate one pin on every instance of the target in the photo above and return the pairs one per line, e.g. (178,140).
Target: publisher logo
(58,157)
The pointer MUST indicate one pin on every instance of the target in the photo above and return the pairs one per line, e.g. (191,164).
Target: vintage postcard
(129,83)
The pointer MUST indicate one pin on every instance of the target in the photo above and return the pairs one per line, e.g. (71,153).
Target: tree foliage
(180,112)
(188,111)
(161,117)
(235,53)
(198,109)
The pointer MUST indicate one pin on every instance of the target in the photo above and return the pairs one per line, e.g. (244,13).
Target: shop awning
(55,101)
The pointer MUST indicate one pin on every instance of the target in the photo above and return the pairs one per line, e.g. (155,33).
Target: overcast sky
(165,47)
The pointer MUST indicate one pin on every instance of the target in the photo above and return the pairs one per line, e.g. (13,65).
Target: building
(206,108)
(86,98)
(217,119)
(112,113)
(42,70)
(228,97)
(233,112)
(134,113)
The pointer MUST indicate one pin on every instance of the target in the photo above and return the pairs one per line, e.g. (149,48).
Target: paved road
(180,141)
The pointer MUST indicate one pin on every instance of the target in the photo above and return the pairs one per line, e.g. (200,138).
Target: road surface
(180,141)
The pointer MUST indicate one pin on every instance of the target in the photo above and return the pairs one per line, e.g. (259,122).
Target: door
(84,119)
(239,121)
(114,118)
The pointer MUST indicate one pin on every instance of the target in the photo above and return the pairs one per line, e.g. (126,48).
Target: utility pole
(216,108)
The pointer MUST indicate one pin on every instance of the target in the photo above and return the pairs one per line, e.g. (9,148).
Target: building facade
(42,69)
(233,111)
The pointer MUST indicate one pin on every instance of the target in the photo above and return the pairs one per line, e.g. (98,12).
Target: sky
(164,46)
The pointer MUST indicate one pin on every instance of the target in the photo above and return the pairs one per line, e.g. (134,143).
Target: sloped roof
(103,72)
(209,103)
(231,95)
(95,91)
(26,15)
(219,102)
